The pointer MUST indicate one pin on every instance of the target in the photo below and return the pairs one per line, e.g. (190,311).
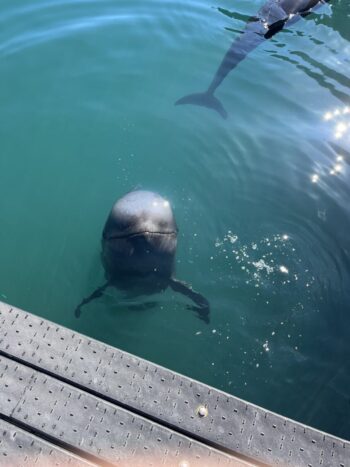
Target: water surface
(262,199)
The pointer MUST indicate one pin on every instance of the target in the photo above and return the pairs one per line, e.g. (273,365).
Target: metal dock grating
(18,447)
(105,406)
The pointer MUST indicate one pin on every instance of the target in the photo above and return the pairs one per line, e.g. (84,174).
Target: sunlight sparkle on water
(337,169)
(341,127)
(341,130)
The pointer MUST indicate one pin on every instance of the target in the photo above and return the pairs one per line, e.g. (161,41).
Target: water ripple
(262,199)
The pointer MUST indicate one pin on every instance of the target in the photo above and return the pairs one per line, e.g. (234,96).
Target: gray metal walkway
(66,399)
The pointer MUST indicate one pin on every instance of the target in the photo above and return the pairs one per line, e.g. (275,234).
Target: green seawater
(262,199)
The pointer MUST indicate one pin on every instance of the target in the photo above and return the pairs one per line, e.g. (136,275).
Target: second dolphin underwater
(270,19)
(138,250)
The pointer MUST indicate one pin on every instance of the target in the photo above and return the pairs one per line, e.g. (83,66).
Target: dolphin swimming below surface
(138,250)
(270,19)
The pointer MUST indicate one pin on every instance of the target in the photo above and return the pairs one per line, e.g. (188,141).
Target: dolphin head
(139,238)
(138,250)
(140,212)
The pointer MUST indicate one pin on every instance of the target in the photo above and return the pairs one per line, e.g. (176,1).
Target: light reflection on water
(338,132)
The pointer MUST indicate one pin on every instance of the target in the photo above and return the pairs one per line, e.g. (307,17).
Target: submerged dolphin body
(138,250)
(270,19)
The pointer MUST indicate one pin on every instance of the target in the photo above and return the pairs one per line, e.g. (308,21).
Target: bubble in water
(231,238)
(218,243)
(260,265)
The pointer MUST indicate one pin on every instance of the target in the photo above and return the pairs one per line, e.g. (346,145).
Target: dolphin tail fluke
(96,294)
(204,99)
(202,308)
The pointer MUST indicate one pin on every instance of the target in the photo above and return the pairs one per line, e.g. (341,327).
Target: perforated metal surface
(18,447)
(166,396)
(93,426)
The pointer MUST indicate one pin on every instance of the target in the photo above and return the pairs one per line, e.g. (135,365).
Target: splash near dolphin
(138,250)
(270,19)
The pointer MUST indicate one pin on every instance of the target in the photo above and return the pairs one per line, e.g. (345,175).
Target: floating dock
(66,399)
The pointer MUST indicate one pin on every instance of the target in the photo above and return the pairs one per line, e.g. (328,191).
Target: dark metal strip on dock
(18,447)
(90,426)
(165,397)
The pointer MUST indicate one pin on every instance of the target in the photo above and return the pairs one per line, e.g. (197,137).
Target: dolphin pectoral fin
(203,306)
(96,294)
(204,99)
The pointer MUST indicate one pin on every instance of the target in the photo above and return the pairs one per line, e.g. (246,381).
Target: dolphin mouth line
(136,234)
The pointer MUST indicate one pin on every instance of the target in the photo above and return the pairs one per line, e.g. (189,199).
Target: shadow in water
(142,306)
(320,73)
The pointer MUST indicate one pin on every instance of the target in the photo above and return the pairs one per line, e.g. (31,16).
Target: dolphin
(270,19)
(139,243)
